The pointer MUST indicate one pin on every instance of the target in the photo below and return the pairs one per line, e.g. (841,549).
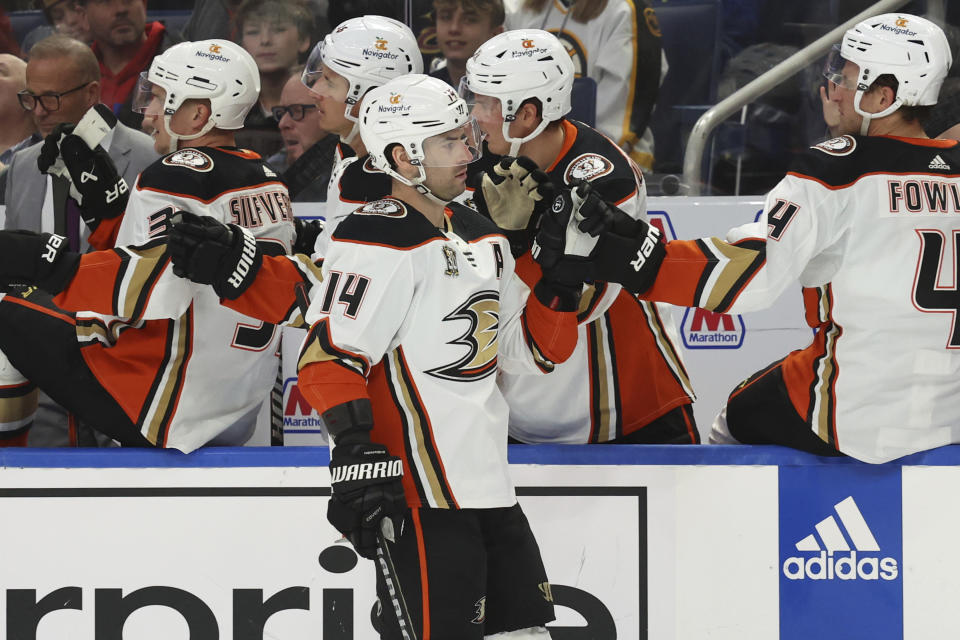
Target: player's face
(275,45)
(330,91)
(155,122)
(446,157)
(486,111)
(843,93)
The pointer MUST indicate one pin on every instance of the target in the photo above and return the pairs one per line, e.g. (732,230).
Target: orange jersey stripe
(272,293)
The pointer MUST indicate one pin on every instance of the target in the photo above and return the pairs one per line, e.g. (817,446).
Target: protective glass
(833,70)
(296,111)
(454,148)
(143,99)
(49,101)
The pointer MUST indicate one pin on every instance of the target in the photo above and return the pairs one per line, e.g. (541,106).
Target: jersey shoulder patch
(842,146)
(389,223)
(193,159)
(587,166)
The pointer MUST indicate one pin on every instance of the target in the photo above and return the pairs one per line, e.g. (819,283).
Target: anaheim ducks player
(358,55)
(625,382)
(143,381)
(418,311)
(869,223)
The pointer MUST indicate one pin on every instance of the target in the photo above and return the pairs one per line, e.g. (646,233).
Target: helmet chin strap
(516,142)
(868,117)
(418,184)
(175,138)
(350,137)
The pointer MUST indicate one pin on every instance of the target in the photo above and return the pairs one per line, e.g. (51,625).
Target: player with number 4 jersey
(869,223)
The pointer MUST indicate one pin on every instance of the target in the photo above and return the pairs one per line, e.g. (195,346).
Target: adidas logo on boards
(834,559)
(938,163)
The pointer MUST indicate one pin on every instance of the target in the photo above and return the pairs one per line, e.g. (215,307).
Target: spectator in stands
(18,127)
(300,129)
(277,34)
(617,43)
(8,43)
(217,19)
(63,16)
(124,45)
(63,82)
(462,26)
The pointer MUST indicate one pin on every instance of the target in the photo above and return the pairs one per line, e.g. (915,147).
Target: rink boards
(639,542)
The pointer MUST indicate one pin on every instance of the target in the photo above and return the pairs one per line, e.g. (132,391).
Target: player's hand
(362,496)
(583,236)
(207,251)
(307,233)
(510,191)
(41,259)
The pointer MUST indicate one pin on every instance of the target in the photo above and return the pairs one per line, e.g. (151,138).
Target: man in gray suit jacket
(62,84)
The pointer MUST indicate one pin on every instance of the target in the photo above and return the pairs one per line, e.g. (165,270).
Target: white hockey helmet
(911,49)
(216,70)
(418,112)
(368,51)
(515,66)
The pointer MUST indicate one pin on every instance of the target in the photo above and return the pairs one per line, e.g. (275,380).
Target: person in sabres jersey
(415,312)
(868,222)
(144,376)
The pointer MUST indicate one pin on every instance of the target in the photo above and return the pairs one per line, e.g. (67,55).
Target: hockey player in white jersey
(358,55)
(144,378)
(869,223)
(417,312)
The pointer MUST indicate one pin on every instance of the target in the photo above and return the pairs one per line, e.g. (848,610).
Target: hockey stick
(385,562)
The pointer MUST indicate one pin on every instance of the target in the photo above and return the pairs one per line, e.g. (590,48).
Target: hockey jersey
(620,49)
(626,370)
(871,228)
(186,369)
(421,319)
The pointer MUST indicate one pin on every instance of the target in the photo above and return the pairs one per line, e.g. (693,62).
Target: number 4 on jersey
(928,295)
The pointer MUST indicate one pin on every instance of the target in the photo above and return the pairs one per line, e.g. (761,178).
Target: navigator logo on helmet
(215,70)
(418,113)
(516,66)
(368,51)
(911,49)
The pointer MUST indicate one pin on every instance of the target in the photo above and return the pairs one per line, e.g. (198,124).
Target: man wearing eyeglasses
(300,129)
(62,80)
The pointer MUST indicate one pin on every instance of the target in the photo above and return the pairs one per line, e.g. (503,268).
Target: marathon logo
(702,329)
(367,471)
(216,57)
(380,55)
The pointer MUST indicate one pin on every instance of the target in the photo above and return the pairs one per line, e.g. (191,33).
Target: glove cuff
(244,268)
(558,296)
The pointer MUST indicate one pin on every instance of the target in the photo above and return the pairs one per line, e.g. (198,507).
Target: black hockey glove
(307,233)
(40,259)
(628,252)
(584,237)
(365,488)
(207,251)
